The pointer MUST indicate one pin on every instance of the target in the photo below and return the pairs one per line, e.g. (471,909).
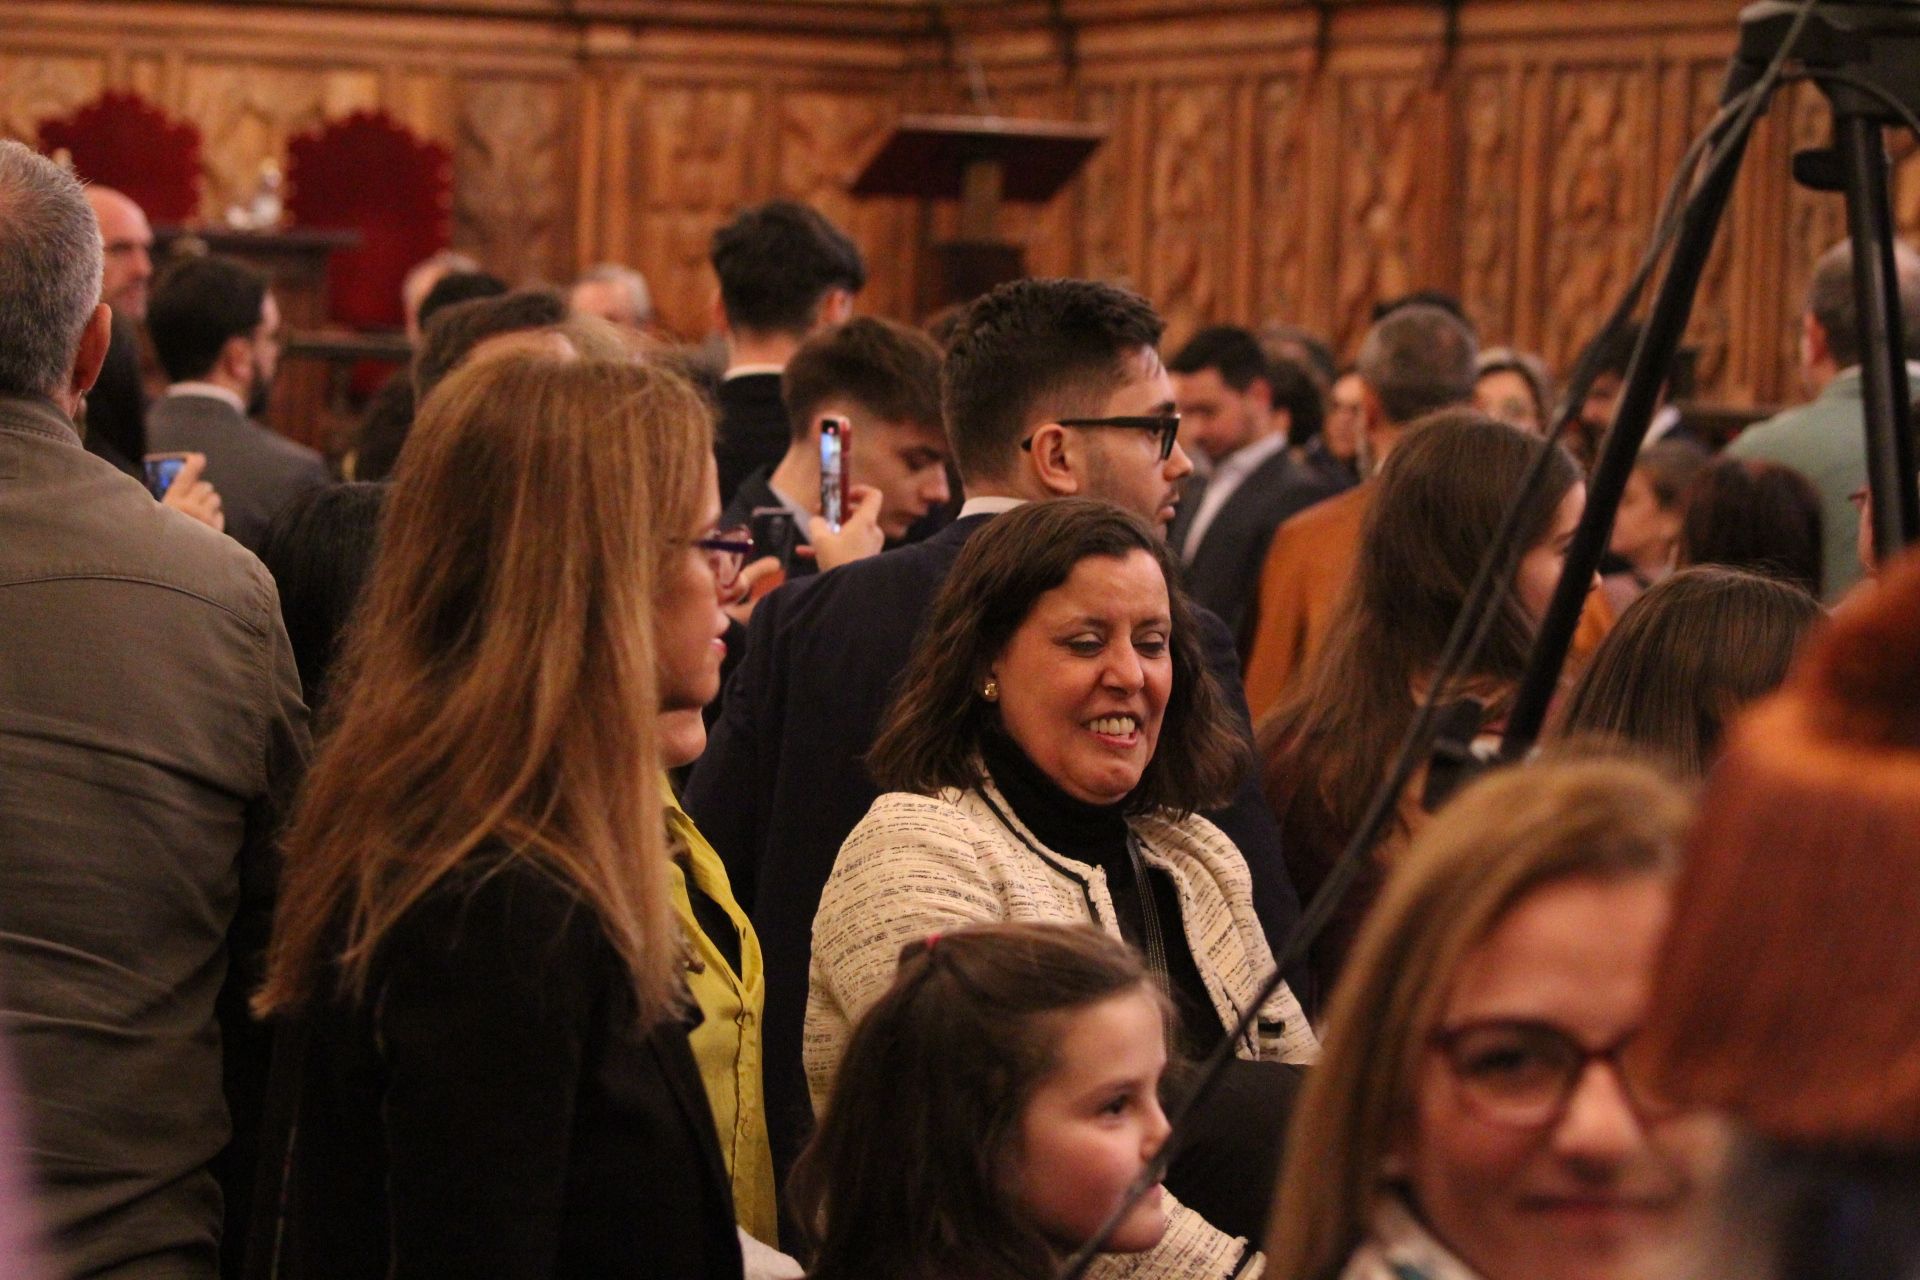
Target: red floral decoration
(371,174)
(122,140)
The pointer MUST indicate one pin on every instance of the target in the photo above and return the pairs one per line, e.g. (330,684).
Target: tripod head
(1876,41)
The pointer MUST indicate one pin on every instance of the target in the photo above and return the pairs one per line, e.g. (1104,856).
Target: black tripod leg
(1621,449)
(1883,366)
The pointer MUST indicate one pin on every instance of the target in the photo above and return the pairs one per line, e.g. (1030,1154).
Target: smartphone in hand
(161,468)
(836,474)
(773,533)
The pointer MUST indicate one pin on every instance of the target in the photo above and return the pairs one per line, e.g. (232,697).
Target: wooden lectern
(980,161)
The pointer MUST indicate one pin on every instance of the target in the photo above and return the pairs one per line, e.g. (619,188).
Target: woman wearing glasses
(1478,1112)
(484,1059)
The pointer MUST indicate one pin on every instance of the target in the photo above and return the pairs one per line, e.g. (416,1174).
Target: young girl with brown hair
(990,1111)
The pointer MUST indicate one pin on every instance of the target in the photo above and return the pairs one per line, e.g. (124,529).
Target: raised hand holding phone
(858,537)
(174,479)
(836,470)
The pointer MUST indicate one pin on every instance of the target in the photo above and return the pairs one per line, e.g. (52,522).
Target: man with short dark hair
(785,272)
(150,724)
(1051,388)
(1223,387)
(216,331)
(1826,439)
(884,379)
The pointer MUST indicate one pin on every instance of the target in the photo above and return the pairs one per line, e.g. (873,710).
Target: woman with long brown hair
(476,954)
(1442,493)
(1684,659)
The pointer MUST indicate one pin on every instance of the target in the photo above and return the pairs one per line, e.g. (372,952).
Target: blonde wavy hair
(500,684)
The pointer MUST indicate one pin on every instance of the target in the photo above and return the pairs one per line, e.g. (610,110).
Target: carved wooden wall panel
(1599,199)
(1191,178)
(1260,166)
(1719,309)
(1488,197)
(514,157)
(693,169)
(36,85)
(1382,152)
(246,111)
(1282,179)
(1110,227)
(823,137)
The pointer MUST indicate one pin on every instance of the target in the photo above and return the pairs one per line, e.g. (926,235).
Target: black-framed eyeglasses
(1166,424)
(727,550)
(1522,1073)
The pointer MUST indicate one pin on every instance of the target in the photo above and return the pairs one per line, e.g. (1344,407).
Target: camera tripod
(1865,58)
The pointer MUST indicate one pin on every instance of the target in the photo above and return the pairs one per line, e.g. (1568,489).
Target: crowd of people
(545,838)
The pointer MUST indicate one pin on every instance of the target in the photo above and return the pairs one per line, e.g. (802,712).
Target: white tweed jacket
(918,865)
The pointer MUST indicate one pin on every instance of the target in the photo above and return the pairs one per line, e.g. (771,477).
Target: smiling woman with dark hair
(1054,735)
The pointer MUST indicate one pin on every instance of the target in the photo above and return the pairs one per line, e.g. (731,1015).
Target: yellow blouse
(727,1042)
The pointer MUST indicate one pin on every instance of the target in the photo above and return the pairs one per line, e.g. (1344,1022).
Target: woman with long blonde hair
(476,957)
(1479,1112)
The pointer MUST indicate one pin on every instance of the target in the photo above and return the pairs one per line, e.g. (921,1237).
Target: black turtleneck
(1096,834)
(1231,1154)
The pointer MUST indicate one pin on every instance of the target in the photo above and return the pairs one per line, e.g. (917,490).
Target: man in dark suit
(1051,388)
(1224,387)
(216,331)
(785,272)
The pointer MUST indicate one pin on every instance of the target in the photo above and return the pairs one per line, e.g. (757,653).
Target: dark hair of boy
(888,369)
(776,261)
(197,306)
(459,286)
(1294,391)
(458,329)
(1034,349)
(1229,349)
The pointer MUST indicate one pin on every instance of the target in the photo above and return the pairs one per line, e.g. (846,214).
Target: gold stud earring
(990,690)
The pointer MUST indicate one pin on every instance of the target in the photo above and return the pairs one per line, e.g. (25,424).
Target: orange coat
(1306,570)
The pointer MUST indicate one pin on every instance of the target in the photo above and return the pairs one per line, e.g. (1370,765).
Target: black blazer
(1224,574)
(117,405)
(492,1108)
(782,782)
(753,430)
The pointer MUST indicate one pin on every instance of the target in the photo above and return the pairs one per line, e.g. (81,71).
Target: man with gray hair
(617,294)
(150,721)
(1826,439)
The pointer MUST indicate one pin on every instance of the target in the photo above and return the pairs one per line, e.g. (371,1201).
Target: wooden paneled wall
(1269,160)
